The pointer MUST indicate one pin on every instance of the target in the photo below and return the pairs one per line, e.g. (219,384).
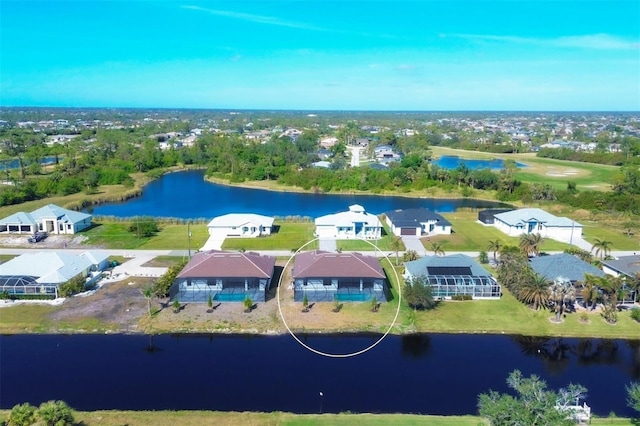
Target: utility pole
(189,237)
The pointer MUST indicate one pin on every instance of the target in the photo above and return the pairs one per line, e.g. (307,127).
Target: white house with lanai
(240,225)
(538,221)
(50,218)
(355,223)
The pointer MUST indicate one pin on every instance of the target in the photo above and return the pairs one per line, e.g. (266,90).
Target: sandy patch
(52,241)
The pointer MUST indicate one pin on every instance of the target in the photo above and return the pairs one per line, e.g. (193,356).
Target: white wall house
(355,223)
(538,221)
(241,225)
(417,222)
(42,273)
(50,218)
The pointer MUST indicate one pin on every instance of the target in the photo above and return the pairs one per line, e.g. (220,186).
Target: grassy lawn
(619,240)
(290,236)
(469,235)
(196,418)
(115,235)
(164,261)
(29,318)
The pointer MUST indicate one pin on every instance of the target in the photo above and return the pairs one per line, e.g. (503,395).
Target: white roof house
(355,223)
(46,270)
(538,221)
(50,218)
(240,225)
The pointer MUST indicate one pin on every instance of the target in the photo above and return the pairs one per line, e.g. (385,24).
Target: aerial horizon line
(311,110)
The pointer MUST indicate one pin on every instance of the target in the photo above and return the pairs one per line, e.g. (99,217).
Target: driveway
(414,243)
(327,244)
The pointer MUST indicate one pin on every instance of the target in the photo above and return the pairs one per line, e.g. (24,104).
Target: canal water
(187,195)
(425,373)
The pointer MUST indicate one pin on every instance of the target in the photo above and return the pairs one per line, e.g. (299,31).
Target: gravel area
(52,241)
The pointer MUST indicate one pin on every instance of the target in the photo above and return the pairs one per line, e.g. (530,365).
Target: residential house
(50,218)
(538,221)
(225,276)
(356,223)
(240,225)
(563,265)
(451,275)
(42,273)
(417,222)
(486,217)
(324,276)
(627,267)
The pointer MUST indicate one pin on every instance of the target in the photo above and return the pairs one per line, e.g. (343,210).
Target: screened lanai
(453,275)
(19,285)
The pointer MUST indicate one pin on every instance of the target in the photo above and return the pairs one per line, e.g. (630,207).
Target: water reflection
(556,353)
(415,345)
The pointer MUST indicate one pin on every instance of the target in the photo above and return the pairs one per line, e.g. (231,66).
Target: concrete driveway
(414,243)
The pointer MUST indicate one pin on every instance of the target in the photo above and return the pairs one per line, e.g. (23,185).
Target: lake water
(450,162)
(187,195)
(430,374)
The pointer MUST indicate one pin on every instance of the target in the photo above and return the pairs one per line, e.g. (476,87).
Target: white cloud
(592,41)
(259,19)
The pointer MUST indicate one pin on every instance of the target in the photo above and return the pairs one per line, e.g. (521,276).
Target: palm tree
(396,245)
(526,244)
(590,291)
(410,255)
(535,291)
(495,246)
(147,292)
(602,248)
(437,249)
(536,241)
(560,292)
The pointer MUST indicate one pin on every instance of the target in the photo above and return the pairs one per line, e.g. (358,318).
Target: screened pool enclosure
(23,285)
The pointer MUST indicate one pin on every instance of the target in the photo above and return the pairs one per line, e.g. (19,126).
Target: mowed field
(544,170)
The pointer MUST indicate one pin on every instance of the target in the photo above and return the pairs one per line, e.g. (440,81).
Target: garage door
(407,231)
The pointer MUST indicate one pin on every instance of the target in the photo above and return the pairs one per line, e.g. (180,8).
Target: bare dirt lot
(119,304)
(52,241)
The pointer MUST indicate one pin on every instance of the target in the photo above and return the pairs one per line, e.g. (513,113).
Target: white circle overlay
(330,355)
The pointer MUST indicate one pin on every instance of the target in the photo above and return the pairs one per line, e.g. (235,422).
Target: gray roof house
(417,222)
(537,221)
(225,276)
(323,276)
(624,265)
(42,272)
(50,218)
(454,274)
(563,265)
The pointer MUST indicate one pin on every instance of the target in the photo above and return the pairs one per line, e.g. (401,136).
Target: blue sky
(322,54)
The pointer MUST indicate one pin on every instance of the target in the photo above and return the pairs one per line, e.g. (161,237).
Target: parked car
(37,237)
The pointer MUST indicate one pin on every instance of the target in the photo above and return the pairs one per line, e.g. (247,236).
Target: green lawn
(115,235)
(30,318)
(290,236)
(469,235)
(197,418)
(619,240)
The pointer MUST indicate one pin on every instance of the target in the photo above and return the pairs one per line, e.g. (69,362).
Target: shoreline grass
(200,417)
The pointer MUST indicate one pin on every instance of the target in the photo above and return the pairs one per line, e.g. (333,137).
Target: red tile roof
(228,264)
(336,265)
